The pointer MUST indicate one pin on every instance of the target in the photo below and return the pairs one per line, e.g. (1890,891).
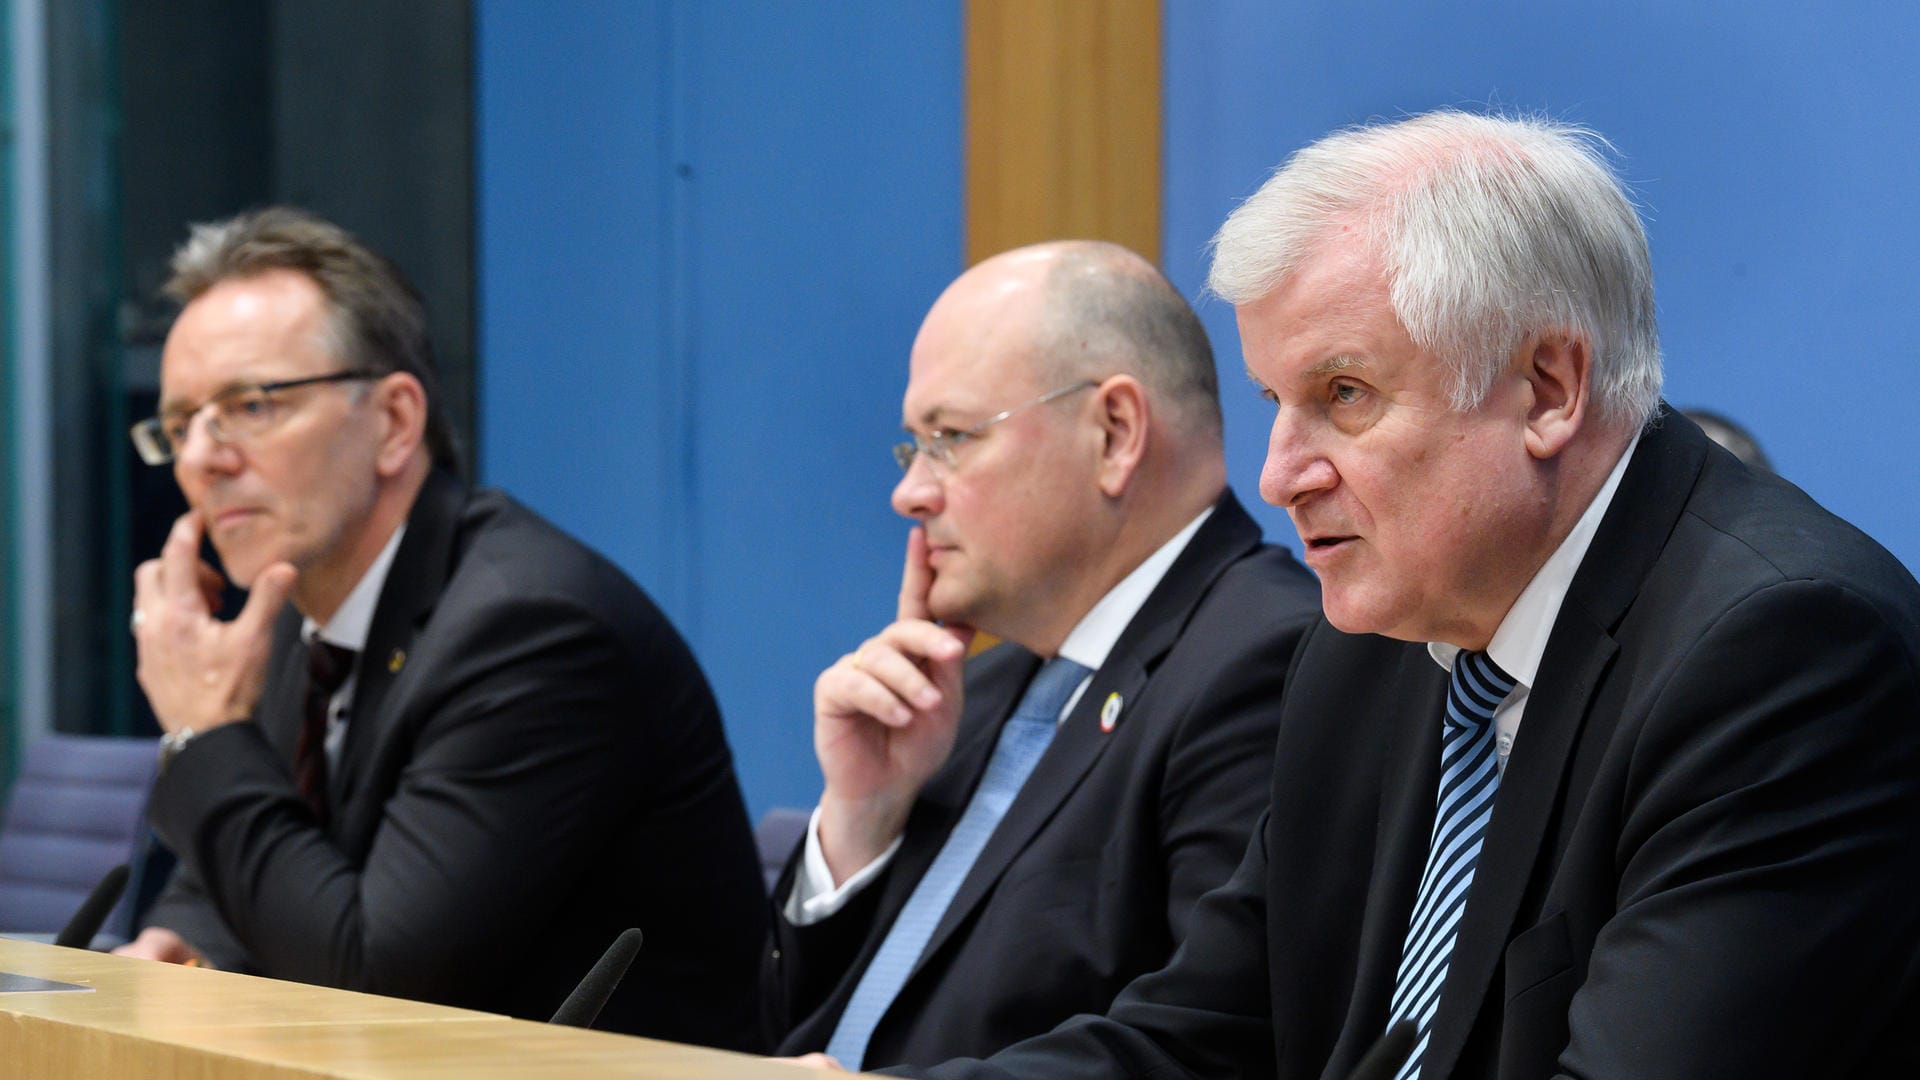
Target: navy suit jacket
(1091,876)
(534,762)
(1701,862)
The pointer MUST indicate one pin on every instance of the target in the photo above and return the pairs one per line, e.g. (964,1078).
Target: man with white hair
(1605,759)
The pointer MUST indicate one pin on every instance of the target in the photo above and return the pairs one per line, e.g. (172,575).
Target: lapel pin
(397,661)
(1110,711)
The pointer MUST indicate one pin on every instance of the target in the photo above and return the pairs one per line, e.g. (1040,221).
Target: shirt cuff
(813,897)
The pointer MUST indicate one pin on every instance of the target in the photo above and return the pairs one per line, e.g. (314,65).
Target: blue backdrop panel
(577,353)
(1775,148)
(708,234)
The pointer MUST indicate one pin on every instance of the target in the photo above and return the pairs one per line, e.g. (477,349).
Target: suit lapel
(414,582)
(1631,536)
(1225,536)
(1075,747)
(284,695)
(1409,704)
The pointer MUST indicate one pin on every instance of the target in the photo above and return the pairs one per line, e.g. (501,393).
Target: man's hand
(199,672)
(162,944)
(883,721)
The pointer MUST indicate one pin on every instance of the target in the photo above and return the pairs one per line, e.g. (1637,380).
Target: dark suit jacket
(1703,856)
(533,763)
(1091,875)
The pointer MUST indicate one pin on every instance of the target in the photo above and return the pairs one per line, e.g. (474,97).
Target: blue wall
(707,235)
(1775,148)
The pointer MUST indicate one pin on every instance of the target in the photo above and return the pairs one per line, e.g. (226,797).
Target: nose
(1296,468)
(919,494)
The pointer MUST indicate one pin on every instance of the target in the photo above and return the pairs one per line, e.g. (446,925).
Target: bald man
(1005,841)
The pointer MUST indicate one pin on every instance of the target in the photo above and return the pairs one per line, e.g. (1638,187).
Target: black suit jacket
(533,763)
(1703,855)
(1090,877)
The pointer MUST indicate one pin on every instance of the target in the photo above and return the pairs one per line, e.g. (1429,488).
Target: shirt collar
(1093,637)
(1521,639)
(353,620)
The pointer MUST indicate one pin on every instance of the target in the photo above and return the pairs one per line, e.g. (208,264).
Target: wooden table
(146,1019)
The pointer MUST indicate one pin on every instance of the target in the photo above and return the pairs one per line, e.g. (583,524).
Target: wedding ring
(133,622)
(856,656)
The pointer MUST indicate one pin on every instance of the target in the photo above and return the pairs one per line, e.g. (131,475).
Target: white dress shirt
(1092,638)
(1521,638)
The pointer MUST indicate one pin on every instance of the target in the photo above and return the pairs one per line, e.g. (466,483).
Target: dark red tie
(328,666)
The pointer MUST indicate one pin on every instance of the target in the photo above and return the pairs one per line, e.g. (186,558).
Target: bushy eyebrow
(175,408)
(929,420)
(941,417)
(1332,364)
(1341,362)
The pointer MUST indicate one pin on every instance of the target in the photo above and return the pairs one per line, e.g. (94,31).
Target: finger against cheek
(916,579)
(180,554)
(185,532)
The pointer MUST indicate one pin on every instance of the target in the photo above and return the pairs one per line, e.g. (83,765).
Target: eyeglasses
(239,413)
(940,443)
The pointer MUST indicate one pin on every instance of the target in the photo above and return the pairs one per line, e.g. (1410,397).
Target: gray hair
(1107,310)
(1489,230)
(375,317)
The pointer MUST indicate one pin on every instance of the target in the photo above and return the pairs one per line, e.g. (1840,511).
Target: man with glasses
(448,769)
(1006,841)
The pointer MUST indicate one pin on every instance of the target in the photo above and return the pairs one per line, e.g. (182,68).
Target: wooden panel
(1063,123)
(156,1020)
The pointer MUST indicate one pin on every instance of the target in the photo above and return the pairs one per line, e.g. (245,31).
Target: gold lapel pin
(1110,711)
(397,661)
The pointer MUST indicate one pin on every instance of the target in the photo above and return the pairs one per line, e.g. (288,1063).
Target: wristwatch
(172,743)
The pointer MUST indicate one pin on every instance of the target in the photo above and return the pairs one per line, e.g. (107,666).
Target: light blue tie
(1469,776)
(1022,740)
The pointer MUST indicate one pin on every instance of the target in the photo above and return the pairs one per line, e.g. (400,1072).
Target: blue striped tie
(1022,740)
(1469,776)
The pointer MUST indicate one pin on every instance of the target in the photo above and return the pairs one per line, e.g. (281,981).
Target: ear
(1123,413)
(1558,371)
(401,404)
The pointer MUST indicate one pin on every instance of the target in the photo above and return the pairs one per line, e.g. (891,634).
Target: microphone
(1386,1056)
(79,931)
(583,1006)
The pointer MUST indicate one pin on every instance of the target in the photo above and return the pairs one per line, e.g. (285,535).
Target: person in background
(1736,440)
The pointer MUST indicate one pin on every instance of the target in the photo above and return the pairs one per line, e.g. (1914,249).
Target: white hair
(1489,230)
